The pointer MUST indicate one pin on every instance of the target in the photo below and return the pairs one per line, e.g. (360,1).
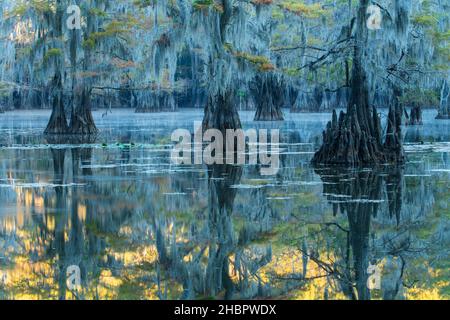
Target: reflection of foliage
(325,272)
(295,248)
(314,10)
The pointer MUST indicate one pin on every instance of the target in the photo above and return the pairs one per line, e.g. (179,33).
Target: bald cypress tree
(58,121)
(355,137)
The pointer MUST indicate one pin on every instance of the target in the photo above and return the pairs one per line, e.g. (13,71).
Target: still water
(139,227)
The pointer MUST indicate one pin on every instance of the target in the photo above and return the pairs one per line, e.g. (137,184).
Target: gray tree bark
(58,121)
(444,107)
(269,99)
(355,137)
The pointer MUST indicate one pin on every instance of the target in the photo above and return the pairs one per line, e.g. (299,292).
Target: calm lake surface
(139,227)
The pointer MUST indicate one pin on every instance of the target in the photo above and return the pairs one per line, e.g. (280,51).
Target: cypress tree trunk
(415,117)
(444,107)
(221,112)
(82,121)
(355,138)
(393,144)
(58,121)
(74,36)
(269,99)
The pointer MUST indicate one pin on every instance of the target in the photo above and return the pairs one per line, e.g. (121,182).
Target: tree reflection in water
(219,256)
(358,195)
(139,228)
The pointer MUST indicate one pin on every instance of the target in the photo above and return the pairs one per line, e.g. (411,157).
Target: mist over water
(140,227)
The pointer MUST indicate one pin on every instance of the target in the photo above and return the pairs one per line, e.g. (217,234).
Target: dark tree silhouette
(58,121)
(355,137)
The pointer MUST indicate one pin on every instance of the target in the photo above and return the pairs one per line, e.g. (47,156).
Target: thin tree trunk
(444,106)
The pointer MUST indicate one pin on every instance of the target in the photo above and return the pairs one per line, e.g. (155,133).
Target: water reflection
(359,195)
(141,228)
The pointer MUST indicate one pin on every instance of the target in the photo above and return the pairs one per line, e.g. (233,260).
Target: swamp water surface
(139,227)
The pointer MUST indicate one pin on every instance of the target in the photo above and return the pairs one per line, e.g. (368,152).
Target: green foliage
(23,52)
(206,4)
(97,12)
(54,52)
(22,7)
(89,43)
(113,29)
(292,72)
(202,4)
(5,88)
(262,62)
(425,20)
(311,11)
(421,97)
(143,3)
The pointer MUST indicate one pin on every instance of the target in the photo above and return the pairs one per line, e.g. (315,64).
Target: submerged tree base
(221,113)
(269,114)
(83,127)
(415,117)
(57,125)
(82,121)
(269,99)
(347,143)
